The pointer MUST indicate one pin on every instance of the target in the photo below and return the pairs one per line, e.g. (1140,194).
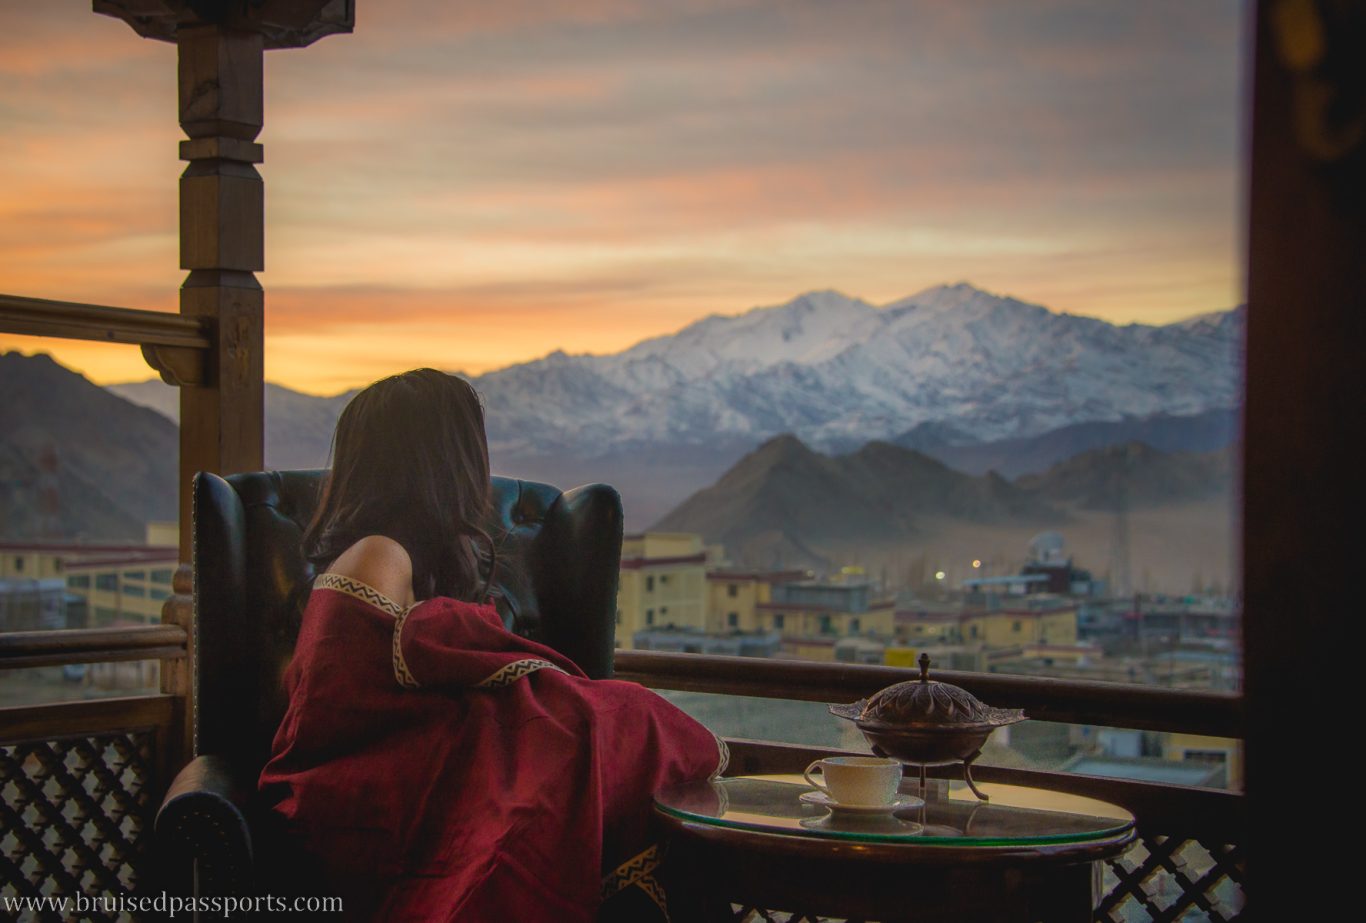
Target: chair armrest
(201,820)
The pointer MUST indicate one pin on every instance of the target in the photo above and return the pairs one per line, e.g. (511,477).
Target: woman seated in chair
(440,767)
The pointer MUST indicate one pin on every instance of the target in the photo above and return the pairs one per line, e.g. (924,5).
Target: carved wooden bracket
(177,365)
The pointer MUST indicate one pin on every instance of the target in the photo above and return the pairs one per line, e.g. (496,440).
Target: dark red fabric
(455,802)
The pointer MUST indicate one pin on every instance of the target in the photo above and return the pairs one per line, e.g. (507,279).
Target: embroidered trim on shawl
(405,676)
(638,871)
(507,675)
(368,594)
(362,591)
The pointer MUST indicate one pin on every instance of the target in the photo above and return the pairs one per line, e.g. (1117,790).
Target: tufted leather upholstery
(562,552)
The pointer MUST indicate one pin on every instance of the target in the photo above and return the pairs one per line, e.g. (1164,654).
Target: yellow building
(662,584)
(107,584)
(853,649)
(810,609)
(1222,751)
(942,657)
(1014,627)
(929,622)
(163,532)
(733,597)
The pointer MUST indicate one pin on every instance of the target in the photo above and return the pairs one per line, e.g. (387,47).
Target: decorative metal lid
(928,704)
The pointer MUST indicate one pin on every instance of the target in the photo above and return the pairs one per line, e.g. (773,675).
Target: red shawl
(442,768)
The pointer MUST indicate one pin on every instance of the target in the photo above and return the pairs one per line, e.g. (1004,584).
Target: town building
(33,604)
(1027,621)
(825,610)
(1159,618)
(1034,620)
(734,595)
(105,584)
(662,584)
(920,621)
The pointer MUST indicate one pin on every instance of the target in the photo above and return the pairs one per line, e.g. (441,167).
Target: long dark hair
(410,461)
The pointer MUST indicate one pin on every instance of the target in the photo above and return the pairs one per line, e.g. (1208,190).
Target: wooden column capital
(222,198)
(221,83)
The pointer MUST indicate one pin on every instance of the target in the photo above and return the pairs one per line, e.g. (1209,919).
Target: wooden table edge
(1105,846)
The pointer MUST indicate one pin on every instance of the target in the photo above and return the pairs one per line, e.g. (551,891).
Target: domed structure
(1047,548)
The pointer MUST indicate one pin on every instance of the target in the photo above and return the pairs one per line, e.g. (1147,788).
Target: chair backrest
(251,581)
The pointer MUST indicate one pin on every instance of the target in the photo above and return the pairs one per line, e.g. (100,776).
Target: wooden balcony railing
(74,321)
(1149,708)
(91,645)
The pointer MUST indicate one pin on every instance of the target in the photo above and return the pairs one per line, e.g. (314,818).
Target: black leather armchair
(251,581)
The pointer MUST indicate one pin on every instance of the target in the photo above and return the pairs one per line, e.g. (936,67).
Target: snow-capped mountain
(838,371)
(298,426)
(944,371)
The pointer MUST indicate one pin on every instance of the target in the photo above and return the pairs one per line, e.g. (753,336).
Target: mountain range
(838,372)
(979,381)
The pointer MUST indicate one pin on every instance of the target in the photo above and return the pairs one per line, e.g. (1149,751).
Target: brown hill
(1202,432)
(1133,475)
(784,501)
(77,461)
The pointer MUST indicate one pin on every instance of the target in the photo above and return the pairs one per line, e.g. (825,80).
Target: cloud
(606,170)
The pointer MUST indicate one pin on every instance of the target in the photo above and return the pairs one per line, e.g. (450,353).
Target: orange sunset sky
(472,184)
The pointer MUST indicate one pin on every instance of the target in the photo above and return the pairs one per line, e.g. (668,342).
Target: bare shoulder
(379,562)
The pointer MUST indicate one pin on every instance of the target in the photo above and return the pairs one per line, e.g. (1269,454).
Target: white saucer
(822,800)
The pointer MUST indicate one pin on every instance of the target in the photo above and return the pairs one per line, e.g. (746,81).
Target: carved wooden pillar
(222,240)
(222,211)
(222,244)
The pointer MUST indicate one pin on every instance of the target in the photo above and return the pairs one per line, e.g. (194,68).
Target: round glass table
(1025,855)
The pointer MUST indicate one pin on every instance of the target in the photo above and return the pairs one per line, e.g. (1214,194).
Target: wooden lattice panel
(1159,880)
(1164,879)
(74,814)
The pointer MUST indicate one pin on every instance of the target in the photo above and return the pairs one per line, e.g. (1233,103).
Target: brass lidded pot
(928,723)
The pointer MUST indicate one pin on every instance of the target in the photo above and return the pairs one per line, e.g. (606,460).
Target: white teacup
(857,780)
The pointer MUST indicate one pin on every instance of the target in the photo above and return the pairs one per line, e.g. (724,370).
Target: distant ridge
(785,494)
(78,462)
(1132,475)
(784,497)
(1203,432)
